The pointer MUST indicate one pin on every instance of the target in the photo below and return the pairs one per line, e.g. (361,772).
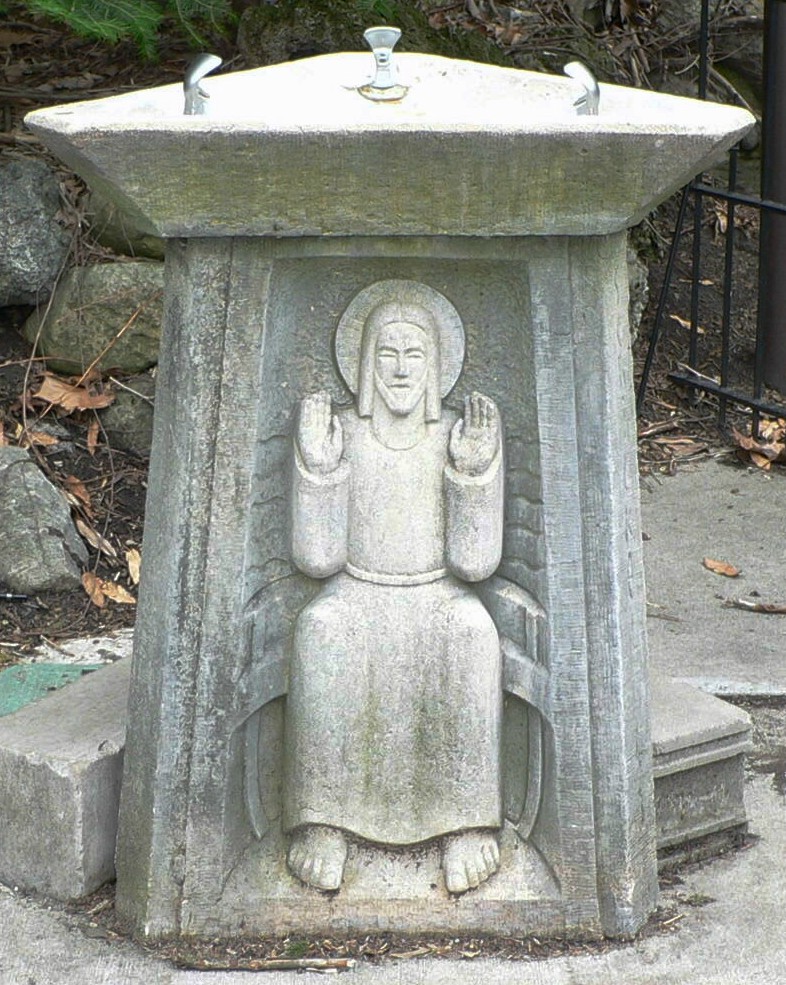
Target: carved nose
(401,366)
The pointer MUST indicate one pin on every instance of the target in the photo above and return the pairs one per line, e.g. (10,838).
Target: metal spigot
(384,85)
(196,97)
(586,105)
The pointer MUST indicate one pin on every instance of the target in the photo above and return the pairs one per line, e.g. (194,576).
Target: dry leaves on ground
(77,495)
(27,437)
(95,539)
(99,590)
(134,563)
(765,448)
(92,436)
(70,396)
(686,323)
(721,567)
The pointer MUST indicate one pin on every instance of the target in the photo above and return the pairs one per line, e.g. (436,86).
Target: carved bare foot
(317,855)
(468,859)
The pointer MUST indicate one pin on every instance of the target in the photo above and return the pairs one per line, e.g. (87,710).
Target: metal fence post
(772,256)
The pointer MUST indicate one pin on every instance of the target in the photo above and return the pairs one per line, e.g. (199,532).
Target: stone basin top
(470,149)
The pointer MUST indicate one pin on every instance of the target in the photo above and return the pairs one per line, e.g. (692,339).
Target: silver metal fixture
(586,105)
(384,85)
(196,97)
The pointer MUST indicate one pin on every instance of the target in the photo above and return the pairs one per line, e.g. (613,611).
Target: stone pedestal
(483,186)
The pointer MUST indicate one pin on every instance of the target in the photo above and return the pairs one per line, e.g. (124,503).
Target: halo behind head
(406,301)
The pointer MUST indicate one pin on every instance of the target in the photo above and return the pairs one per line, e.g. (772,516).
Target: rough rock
(291,29)
(128,422)
(89,310)
(39,548)
(32,245)
(119,231)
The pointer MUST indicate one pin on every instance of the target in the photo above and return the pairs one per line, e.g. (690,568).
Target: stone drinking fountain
(390,657)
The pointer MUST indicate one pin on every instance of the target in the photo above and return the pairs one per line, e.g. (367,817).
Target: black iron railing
(769,363)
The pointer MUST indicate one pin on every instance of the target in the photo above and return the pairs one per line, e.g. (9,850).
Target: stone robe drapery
(395,698)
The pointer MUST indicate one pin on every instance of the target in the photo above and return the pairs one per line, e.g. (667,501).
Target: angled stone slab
(471,150)
(60,768)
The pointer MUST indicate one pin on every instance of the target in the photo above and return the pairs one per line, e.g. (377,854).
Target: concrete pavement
(723,511)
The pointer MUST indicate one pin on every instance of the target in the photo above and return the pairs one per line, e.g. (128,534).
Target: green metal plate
(23,684)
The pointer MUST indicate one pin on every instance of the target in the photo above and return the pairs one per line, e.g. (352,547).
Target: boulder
(33,246)
(128,422)
(40,549)
(91,307)
(119,231)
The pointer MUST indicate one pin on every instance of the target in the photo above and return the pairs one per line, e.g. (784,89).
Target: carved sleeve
(474,521)
(319,519)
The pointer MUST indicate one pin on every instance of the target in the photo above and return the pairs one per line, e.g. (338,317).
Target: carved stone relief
(394,705)
(394,732)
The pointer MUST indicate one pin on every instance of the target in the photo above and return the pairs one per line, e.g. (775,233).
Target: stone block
(699,743)
(60,768)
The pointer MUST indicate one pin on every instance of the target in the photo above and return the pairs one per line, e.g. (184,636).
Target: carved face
(401,366)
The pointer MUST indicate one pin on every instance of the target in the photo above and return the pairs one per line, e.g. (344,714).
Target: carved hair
(409,313)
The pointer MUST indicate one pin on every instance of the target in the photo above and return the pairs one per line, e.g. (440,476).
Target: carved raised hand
(474,438)
(320,439)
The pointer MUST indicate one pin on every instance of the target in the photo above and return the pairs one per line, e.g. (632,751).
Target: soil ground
(46,64)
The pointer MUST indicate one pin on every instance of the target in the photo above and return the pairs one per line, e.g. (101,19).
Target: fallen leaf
(38,438)
(92,436)
(70,397)
(721,567)
(765,449)
(134,562)
(762,461)
(772,430)
(117,593)
(77,489)
(685,323)
(92,584)
(94,538)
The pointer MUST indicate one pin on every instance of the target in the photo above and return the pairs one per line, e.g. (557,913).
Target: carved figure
(395,700)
